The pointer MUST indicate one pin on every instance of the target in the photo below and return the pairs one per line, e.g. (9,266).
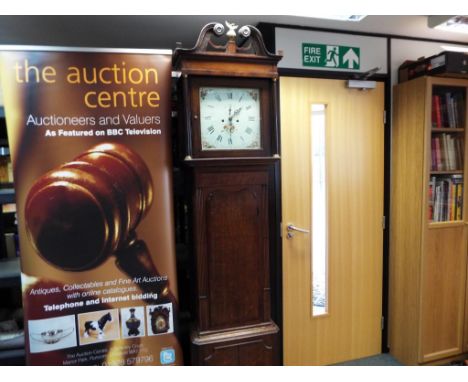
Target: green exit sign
(331,56)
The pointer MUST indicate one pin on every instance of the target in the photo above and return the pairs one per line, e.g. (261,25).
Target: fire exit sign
(331,56)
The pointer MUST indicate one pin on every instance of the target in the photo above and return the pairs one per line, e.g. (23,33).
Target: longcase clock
(230,148)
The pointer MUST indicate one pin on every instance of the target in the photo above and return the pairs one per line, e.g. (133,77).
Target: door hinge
(385,117)
(384,222)
(382,322)
(281,229)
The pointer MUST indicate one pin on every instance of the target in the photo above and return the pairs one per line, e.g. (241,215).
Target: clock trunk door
(332,145)
(232,227)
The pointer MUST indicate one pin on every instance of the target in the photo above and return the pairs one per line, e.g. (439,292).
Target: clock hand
(231,116)
(237,111)
(230,136)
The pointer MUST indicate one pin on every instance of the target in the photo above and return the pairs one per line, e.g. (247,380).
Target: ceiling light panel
(354,18)
(449,23)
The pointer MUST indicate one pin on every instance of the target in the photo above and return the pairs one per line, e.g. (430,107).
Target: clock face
(230,118)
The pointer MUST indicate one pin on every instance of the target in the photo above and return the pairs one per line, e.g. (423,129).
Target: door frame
(386,202)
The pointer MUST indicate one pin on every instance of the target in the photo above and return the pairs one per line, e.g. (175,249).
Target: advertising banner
(89,134)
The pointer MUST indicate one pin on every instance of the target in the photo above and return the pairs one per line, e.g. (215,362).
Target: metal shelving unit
(10,274)
(12,351)
(7,195)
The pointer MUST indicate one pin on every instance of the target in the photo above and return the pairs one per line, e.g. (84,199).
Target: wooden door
(346,323)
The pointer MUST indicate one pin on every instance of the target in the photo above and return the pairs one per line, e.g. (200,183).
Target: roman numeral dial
(230,118)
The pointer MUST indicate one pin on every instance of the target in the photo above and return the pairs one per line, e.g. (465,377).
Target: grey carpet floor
(377,360)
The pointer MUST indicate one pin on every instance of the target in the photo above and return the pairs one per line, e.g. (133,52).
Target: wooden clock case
(234,203)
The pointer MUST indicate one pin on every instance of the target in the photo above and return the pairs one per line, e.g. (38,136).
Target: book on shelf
(448,105)
(431,198)
(448,109)
(459,202)
(436,113)
(460,152)
(447,152)
(446,198)
(459,110)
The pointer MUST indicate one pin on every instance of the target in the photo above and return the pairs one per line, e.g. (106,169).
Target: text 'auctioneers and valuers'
(104,121)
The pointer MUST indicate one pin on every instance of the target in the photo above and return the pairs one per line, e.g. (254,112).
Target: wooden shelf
(447,172)
(10,273)
(447,130)
(446,224)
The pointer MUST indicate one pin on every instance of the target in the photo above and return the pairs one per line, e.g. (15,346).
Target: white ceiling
(165,31)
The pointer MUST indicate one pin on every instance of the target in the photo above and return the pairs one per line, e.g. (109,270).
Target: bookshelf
(428,321)
(446,179)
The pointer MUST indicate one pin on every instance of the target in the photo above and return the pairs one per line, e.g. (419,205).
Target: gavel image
(86,210)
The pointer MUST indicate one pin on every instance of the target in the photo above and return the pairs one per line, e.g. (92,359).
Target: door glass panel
(319,212)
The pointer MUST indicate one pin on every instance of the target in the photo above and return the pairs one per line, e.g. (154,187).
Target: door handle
(292,227)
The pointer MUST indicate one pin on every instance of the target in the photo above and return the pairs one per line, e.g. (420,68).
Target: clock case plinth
(234,206)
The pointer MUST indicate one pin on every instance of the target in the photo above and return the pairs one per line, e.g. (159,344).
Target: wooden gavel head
(82,212)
